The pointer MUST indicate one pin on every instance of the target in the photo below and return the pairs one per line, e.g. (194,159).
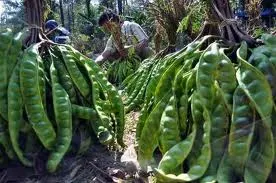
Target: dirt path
(99,165)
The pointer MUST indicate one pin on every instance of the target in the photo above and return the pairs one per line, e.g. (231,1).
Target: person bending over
(124,35)
(57,33)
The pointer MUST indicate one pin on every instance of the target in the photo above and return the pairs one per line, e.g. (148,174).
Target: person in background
(57,33)
(124,34)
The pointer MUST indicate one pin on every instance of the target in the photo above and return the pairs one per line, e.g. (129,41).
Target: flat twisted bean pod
(151,131)
(259,163)
(226,78)
(206,74)
(5,139)
(5,47)
(77,76)
(201,164)
(256,87)
(15,114)
(169,130)
(29,84)
(63,117)
(218,138)
(242,130)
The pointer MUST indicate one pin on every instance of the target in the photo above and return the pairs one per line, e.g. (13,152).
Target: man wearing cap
(56,33)
(124,34)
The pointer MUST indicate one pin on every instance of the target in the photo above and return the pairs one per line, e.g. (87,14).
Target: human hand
(99,60)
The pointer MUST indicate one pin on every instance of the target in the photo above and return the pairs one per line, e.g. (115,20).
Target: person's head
(108,20)
(50,25)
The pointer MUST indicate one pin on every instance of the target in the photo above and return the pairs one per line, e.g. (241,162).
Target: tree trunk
(87,2)
(120,7)
(61,12)
(268,3)
(73,16)
(107,3)
(69,17)
(125,4)
(241,4)
(157,42)
(34,11)
(221,17)
(171,34)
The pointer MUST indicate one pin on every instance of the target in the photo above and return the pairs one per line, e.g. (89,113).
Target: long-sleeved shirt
(131,34)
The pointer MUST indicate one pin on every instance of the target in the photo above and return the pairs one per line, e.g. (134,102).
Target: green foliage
(198,17)
(13,14)
(258,32)
(51,10)
(183,25)
(80,41)
(195,17)
(138,15)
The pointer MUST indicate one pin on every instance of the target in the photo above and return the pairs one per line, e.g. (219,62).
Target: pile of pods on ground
(50,94)
(212,116)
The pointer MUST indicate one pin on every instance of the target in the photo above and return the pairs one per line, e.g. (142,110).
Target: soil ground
(100,164)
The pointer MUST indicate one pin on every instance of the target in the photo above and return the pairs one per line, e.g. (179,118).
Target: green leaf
(183,25)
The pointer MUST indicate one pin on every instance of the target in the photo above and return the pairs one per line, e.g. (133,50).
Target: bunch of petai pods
(212,118)
(49,94)
(117,71)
